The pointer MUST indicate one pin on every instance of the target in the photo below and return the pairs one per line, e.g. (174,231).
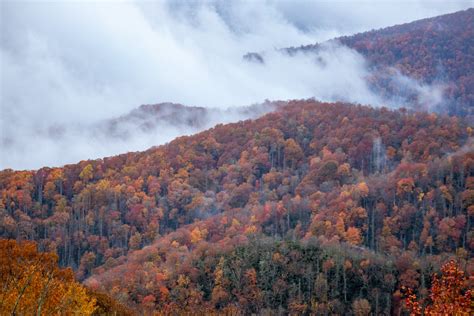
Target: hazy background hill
(437,52)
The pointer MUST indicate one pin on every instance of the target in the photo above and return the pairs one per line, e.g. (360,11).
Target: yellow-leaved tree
(32,283)
(449,295)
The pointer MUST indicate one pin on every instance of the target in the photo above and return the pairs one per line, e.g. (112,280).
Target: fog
(66,67)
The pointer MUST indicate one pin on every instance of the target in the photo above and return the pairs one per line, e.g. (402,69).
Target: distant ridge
(438,50)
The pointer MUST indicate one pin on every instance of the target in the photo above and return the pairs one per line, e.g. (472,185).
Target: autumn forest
(315,208)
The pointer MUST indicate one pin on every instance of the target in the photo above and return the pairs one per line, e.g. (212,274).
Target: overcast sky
(75,63)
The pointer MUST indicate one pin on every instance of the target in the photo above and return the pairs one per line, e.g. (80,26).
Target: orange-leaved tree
(33,284)
(449,295)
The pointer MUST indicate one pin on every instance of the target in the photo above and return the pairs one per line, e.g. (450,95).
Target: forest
(437,51)
(316,208)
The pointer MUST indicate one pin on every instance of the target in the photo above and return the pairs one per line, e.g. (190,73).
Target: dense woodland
(314,208)
(437,51)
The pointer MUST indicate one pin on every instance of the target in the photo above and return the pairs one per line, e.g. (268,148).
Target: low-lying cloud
(66,67)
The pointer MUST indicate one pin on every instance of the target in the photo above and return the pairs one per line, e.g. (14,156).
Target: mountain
(313,208)
(62,142)
(153,117)
(149,120)
(435,51)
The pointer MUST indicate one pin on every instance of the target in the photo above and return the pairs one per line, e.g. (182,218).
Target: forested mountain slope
(345,203)
(437,51)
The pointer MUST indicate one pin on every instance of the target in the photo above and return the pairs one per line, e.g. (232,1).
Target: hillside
(64,142)
(149,118)
(437,51)
(315,207)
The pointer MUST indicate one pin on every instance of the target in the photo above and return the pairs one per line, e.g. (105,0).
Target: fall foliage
(436,51)
(314,208)
(33,284)
(450,294)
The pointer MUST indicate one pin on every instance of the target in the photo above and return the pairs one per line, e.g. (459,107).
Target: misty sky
(68,65)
